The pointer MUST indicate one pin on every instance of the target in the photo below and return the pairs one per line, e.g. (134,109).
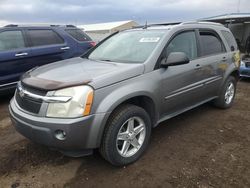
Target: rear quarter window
(78,35)
(230,40)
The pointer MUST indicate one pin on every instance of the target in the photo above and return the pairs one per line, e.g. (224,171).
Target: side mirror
(175,58)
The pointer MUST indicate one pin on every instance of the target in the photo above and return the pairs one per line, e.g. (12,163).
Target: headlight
(79,105)
(242,64)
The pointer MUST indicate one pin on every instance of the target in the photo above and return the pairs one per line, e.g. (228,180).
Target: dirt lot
(205,147)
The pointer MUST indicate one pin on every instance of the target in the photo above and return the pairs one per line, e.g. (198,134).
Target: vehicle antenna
(146,25)
(238,7)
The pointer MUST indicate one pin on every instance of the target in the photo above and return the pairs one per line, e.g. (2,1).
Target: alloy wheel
(229,95)
(131,137)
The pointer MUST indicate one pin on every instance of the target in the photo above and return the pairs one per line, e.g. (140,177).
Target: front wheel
(126,136)
(227,95)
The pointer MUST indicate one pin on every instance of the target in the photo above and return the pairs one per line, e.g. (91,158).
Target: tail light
(92,43)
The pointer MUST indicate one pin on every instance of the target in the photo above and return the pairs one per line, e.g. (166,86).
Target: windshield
(128,47)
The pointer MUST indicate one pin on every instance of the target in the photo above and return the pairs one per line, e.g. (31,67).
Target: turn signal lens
(88,105)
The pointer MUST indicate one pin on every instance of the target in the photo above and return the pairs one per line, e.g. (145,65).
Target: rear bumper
(81,133)
(245,71)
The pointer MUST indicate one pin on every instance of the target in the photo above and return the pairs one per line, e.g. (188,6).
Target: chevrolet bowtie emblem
(21,91)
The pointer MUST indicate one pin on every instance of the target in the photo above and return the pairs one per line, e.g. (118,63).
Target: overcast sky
(95,11)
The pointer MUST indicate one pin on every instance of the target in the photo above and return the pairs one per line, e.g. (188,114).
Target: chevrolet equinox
(112,96)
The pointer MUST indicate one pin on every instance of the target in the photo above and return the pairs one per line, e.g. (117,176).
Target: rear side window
(78,34)
(184,42)
(210,43)
(44,37)
(10,40)
(230,40)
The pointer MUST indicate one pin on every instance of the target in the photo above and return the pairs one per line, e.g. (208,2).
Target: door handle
(21,54)
(65,48)
(224,59)
(197,67)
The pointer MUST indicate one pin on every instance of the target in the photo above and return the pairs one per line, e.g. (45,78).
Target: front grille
(27,103)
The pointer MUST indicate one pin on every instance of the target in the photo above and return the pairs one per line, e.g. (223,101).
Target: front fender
(117,97)
(108,98)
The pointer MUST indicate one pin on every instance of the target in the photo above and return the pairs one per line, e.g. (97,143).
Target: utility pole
(238,7)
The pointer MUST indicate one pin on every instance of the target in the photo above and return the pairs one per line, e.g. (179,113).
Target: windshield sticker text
(150,39)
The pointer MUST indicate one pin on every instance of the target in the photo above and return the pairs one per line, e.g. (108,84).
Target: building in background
(101,30)
(239,24)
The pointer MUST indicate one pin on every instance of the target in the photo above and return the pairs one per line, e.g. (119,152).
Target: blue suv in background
(25,47)
(245,67)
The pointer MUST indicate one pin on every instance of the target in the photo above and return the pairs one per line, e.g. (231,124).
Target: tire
(116,151)
(222,101)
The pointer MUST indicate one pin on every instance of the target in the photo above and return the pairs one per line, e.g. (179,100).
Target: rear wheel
(227,95)
(126,136)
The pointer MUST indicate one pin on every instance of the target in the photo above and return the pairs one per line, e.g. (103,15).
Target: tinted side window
(184,42)
(44,37)
(78,34)
(230,40)
(10,40)
(210,43)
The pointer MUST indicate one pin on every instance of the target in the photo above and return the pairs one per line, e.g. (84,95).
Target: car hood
(79,71)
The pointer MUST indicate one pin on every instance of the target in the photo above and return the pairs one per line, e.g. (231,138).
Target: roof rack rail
(70,26)
(157,24)
(176,23)
(167,23)
(38,25)
(201,22)
(11,25)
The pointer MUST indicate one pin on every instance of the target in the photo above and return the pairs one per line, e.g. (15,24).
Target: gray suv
(112,96)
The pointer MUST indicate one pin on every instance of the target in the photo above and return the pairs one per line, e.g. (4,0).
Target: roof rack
(39,25)
(166,24)
(11,25)
(70,26)
(156,24)
(176,23)
(201,22)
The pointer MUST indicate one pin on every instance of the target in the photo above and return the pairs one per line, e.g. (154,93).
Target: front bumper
(81,133)
(245,71)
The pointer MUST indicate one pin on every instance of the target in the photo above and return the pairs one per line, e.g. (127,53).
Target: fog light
(60,134)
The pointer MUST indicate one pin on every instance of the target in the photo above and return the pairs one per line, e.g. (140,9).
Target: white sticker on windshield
(150,39)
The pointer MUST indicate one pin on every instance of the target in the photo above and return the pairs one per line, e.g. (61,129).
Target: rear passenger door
(212,62)
(47,46)
(14,55)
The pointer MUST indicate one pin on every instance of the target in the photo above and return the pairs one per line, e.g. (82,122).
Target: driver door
(181,84)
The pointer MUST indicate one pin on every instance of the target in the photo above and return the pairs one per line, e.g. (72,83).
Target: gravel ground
(205,147)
